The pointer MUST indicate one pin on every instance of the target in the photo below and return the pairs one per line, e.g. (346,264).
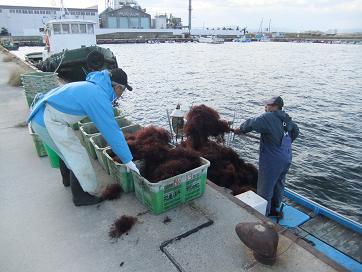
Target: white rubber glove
(133,167)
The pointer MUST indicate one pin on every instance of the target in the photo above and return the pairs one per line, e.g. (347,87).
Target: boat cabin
(68,34)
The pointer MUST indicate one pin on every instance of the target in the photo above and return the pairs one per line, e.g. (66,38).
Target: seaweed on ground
(112,191)
(121,225)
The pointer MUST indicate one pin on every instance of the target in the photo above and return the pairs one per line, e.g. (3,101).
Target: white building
(159,22)
(26,20)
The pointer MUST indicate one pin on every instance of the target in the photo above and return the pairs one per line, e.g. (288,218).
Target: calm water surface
(321,86)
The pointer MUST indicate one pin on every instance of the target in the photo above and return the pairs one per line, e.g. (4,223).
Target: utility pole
(189,16)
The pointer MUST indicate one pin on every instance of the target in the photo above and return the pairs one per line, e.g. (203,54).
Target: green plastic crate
(39,82)
(77,125)
(89,130)
(99,144)
(53,157)
(119,172)
(169,193)
(87,120)
(39,146)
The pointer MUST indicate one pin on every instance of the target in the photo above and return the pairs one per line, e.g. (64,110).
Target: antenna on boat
(190,16)
(63,10)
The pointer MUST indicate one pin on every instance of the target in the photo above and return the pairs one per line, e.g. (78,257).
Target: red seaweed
(203,122)
(112,191)
(121,225)
(204,132)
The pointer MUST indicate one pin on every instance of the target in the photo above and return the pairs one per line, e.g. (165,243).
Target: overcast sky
(293,15)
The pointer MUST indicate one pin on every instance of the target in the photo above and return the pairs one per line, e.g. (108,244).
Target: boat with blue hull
(329,232)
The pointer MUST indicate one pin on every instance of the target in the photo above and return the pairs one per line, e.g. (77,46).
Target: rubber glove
(133,167)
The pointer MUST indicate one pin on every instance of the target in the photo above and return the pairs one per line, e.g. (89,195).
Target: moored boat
(9,44)
(211,39)
(71,50)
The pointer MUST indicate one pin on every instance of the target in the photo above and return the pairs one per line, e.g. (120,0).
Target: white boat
(242,39)
(211,39)
(34,57)
(71,50)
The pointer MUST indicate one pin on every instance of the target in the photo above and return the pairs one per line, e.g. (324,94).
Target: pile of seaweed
(160,159)
(204,131)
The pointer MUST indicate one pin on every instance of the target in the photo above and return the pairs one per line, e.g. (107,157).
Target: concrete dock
(41,229)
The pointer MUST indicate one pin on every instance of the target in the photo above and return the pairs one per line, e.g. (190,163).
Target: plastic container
(38,82)
(99,144)
(169,193)
(119,172)
(77,125)
(39,146)
(53,157)
(89,130)
(86,120)
(253,200)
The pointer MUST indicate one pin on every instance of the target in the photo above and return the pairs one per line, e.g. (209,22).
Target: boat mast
(189,16)
(269,25)
(261,26)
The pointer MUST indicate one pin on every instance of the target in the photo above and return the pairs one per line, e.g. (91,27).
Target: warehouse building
(126,16)
(26,20)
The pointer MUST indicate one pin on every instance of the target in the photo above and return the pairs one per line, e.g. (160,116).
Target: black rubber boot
(81,198)
(65,172)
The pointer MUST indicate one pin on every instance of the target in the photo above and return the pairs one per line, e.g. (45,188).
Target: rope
(61,61)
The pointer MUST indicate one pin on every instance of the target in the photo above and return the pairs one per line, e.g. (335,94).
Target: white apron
(68,144)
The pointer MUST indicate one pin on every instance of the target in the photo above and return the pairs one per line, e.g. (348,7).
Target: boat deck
(330,232)
(41,230)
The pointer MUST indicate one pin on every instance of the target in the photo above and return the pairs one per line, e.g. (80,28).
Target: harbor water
(321,85)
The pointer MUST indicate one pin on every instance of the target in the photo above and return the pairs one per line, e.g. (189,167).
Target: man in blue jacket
(52,115)
(278,131)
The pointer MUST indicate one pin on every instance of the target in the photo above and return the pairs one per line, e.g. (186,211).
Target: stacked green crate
(86,120)
(38,82)
(39,146)
(119,171)
(99,144)
(89,130)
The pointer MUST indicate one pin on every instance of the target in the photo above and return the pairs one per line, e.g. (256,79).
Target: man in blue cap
(52,115)
(278,131)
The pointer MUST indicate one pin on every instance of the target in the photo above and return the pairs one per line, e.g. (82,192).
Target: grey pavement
(41,229)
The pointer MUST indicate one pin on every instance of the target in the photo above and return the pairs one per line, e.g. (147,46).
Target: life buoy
(46,40)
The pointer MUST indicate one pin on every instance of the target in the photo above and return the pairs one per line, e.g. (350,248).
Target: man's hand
(133,167)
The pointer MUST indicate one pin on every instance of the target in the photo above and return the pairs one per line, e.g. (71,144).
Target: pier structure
(41,229)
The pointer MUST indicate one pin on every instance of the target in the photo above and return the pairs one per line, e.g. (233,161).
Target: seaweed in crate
(226,169)
(160,161)
(175,162)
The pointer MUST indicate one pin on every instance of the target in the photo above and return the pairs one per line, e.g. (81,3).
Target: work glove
(133,167)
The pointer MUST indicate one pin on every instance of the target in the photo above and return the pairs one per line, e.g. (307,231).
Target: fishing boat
(242,39)
(34,57)
(211,39)
(9,44)
(71,50)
